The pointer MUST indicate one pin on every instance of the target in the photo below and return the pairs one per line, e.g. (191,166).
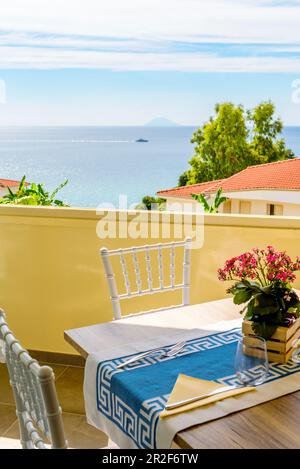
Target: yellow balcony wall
(52,279)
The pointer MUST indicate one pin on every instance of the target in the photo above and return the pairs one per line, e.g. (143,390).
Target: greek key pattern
(192,346)
(140,423)
(276,371)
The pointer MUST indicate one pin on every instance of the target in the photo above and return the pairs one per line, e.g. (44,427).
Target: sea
(102,163)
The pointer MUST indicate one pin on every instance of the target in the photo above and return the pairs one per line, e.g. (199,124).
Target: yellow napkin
(186,387)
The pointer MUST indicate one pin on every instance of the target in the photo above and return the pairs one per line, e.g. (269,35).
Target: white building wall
(291,210)
(290,197)
(258,207)
(174,204)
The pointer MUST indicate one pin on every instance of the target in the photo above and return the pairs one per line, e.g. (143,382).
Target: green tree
(150,202)
(264,130)
(214,207)
(234,139)
(33,194)
(220,145)
(184,178)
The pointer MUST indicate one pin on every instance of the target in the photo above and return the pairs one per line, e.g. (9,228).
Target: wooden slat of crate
(279,346)
(271,345)
(279,357)
(281,334)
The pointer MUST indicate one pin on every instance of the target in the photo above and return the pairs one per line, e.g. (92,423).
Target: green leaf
(254,285)
(41,189)
(219,199)
(213,208)
(267,289)
(27,200)
(63,184)
(11,192)
(249,307)
(59,203)
(22,183)
(33,195)
(202,200)
(242,296)
(265,310)
(242,285)
(262,299)
(263,329)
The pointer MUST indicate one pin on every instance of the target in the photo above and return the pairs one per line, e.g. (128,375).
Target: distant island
(161,122)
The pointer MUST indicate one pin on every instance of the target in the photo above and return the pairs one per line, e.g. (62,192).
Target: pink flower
(262,265)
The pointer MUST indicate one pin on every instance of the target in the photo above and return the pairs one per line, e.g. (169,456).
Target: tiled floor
(69,384)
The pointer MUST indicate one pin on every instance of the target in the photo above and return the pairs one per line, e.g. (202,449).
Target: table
(274,424)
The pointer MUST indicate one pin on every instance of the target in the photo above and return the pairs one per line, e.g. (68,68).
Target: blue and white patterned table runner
(128,401)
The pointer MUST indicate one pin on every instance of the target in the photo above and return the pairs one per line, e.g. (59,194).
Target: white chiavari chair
(37,408)
(163,284)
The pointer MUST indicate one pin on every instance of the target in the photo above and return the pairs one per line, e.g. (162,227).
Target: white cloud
(26,57)
(41,34)
(21,39)
(246,20)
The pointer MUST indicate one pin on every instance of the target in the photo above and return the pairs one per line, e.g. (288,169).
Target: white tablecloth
(168,427)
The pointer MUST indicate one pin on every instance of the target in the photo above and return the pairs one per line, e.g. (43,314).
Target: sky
(124,62)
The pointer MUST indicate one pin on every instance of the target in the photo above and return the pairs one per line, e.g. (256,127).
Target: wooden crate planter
(280,345)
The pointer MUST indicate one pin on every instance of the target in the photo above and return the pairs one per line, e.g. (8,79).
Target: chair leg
(24,436)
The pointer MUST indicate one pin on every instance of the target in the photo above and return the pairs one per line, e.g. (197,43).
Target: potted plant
(263,280)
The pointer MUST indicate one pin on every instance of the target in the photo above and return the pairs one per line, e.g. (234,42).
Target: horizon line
(119,125)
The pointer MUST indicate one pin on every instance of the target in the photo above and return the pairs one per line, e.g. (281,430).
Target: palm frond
(202,200)
(22,183)
(63,184)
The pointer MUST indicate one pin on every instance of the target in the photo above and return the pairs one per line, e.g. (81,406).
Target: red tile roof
(281,175)
(8,183)
(186,191)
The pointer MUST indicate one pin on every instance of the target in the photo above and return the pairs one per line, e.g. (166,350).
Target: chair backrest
(37,407)
(164,285)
